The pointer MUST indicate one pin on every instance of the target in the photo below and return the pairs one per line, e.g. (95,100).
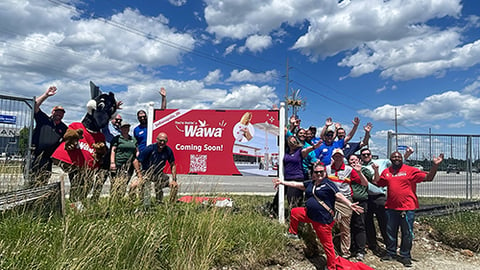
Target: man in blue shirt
(140,131)
(150,165)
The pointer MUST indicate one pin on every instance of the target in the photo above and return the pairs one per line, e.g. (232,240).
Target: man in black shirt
(47,135)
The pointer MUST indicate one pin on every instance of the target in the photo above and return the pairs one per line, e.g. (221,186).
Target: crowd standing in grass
(358,181)
(314,168)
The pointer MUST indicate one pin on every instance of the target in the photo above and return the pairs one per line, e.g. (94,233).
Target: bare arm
(355,122)
(408,153)
(173,168)
(307,150)
(376,173)
(138,170)
(294,184)
(112,158)
(163,93)
(52,90)
(354,206)
(433,171)
(358,168)
(367,130)
(328,122)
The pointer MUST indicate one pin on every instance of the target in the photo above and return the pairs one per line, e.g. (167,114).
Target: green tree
(23,140)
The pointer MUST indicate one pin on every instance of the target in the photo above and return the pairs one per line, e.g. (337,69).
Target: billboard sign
(205,141)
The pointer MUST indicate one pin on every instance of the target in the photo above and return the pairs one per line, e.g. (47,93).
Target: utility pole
(286,90)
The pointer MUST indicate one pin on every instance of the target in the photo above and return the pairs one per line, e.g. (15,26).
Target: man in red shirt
(402,201)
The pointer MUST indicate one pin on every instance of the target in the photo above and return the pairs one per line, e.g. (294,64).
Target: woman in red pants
(320,195)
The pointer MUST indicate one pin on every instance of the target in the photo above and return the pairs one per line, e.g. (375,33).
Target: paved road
(253,183)
(445,185)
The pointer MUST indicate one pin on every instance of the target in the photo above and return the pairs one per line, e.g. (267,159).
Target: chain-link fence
(16,128)
(458,175)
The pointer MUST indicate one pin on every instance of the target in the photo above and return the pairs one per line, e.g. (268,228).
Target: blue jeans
(404,220)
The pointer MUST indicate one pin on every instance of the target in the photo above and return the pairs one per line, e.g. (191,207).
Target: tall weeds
(115,235)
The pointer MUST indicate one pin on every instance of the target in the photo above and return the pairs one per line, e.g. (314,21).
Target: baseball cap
(337,151)
(58,108)
(124,123)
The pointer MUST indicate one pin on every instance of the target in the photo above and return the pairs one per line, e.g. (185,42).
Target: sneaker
(360,257)
(405,261)
(292,236)
(386,258)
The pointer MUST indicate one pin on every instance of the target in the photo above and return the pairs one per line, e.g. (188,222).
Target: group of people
(330,180)
(126,154)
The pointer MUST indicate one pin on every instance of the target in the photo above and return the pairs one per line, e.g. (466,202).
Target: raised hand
(328,122)
(119,105)
(51,91)
(356,121)
(438,160)
(163,92)
(368,127)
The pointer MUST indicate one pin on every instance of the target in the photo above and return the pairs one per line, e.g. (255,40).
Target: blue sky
(354,58)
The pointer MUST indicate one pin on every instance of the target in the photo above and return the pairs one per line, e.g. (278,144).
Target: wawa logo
(201,129)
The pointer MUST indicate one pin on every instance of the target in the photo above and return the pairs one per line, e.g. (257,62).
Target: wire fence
(16,128)
(458,175)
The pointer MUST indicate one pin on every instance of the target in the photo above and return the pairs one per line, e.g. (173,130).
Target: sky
(365,58)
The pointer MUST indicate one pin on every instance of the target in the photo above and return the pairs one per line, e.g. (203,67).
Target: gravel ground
(427,254)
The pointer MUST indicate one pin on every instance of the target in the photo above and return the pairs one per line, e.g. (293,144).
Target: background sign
(8,119)
(220,142)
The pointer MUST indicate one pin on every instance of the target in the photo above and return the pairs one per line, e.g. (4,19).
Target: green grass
(114,236)
(459,230)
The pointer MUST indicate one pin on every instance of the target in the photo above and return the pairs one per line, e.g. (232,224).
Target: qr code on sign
(198,163)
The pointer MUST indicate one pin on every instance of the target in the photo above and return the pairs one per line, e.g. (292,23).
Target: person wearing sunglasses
(377,197)
(320,195)
(140,132)
(150,165)
(112,129)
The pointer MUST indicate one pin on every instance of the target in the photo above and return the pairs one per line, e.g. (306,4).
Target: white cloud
(240,19)
(460,124)
(473,88)
(381,89)
(229,49)
(247,76)
(178,3)
(257,43)
(447,105)
(414,49)
(346,28)
(213,77)
(248,96)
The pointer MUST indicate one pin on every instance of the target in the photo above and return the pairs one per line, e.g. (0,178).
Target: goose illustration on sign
(243,131)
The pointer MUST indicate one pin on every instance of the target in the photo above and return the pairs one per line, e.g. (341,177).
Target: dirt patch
(427,254)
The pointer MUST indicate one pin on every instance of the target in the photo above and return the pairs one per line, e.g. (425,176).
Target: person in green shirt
(357,223)
(123,152)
